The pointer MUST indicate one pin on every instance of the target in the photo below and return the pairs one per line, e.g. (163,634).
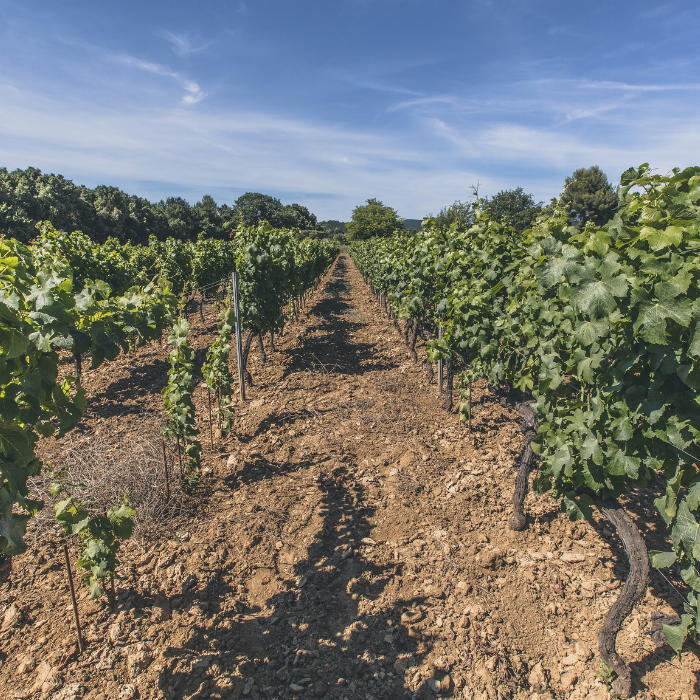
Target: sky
(330,102)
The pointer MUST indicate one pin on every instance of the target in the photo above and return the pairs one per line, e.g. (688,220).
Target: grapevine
(40,314)
(216,371)
(178,402)
(100,536)
(599,327)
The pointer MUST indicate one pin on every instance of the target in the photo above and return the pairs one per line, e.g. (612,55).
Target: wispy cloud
(183,44)
(329,168)
(193,92)
(614,85)
(346,101)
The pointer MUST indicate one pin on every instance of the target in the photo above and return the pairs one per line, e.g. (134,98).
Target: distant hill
(412,223)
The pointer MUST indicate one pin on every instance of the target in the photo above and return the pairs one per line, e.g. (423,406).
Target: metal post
(239,341)
(440,364)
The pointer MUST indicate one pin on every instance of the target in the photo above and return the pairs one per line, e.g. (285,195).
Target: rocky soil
(347,541)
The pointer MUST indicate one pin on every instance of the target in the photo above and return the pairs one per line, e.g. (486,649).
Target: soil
(348,540)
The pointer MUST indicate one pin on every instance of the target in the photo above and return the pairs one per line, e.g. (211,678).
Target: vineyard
(345,528)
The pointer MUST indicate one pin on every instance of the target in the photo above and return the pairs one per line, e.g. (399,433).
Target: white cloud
(193,92)
(531,137)
(183,44)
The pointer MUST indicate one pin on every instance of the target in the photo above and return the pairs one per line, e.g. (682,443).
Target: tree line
(587,195)
(29,196)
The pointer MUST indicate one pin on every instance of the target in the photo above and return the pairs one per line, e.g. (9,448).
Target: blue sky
(330,102)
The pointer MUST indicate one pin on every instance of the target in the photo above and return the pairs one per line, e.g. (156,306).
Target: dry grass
(106,465)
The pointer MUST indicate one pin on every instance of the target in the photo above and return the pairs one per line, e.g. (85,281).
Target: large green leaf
(597,298)
(677,634)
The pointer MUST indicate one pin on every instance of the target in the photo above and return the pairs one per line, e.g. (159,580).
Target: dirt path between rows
(348,541)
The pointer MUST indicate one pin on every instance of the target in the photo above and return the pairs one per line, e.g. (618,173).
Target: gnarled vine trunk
(261,347)
(428,364)
(414,337)
(527,461)
(630,594)
(449,383)
(246,350)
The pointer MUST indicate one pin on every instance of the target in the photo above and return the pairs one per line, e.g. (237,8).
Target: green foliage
(53,297)
(605,673)
(216,372)
(513,208)
(296,216)
(273,267)
(115,214)
(41,313)
(252,209)
(600,324)
(372,219)
(461,213)
(177,399)
(100,536)
(265,264)
(333,229)
(588,196)
(28,197)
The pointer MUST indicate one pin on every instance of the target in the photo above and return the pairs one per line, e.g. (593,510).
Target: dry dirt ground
(348,540)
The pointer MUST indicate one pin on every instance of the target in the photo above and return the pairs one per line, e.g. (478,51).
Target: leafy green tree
(296,216)
(459,212)
(252,208)
(28,196)
(210,222)
(514,208)
(332,228)
(589,196)
(372,219)
(182,220)
(125,217)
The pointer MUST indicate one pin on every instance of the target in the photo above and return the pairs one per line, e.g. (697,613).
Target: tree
(181,218)
(210,218)
(295,216)
(28,196)
(589,197)
(332,227)
(514,208)
(252,208)
(373,219)
(457,213)
(122,216)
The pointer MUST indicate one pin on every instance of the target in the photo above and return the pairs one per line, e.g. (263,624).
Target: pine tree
(589,197)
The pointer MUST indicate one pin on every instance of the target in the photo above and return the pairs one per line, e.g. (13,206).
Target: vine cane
(72,597)
(165,469)
(470,406)
(179,455)
(211,435)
